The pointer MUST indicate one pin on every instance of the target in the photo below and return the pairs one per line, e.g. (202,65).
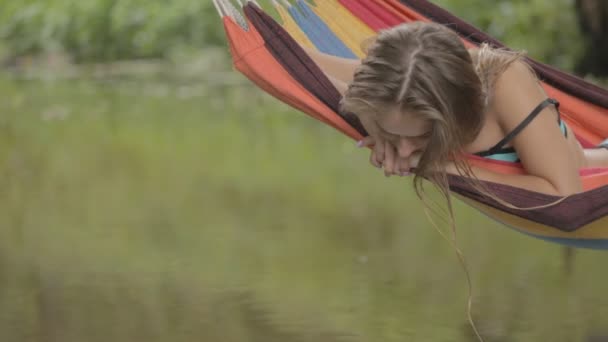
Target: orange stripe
(252,59)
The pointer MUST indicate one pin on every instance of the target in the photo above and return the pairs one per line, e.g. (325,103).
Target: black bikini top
(499,147)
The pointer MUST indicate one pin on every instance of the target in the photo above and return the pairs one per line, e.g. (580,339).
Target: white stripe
(218,8)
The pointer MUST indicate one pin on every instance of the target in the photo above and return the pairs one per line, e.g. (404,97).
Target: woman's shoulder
(517,79)
(490,65)
(516,93)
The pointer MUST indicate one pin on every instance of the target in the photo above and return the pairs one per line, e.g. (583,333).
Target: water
(154,211)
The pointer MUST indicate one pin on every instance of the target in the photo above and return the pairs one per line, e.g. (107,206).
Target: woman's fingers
(373,161)
(404,167)
(393,164)
(380,152)
(384,156)
(366,142)
(389,160)
(370,141)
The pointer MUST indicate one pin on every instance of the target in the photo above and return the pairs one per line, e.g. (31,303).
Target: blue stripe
(309,29)
(572,242)
(318,32)
(340,48)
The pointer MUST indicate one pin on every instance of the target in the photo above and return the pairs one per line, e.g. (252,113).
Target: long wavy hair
(425,69)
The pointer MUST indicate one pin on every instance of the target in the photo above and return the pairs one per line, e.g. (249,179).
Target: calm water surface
(153,212)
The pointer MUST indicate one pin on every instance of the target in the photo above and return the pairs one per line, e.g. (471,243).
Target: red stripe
(381,13)
(364,15)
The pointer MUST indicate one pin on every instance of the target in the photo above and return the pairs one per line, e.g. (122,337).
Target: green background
(151,193)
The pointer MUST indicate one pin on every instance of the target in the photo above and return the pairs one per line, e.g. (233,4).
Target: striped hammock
(270,55)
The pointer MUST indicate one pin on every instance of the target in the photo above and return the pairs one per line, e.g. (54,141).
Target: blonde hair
(426,70)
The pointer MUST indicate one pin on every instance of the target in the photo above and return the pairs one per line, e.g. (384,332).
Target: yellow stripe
(292,27)
(351,22)
(344,24)
(597,229)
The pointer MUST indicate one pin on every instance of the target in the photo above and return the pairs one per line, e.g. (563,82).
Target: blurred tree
(108,30)
(547,30)
(593,18)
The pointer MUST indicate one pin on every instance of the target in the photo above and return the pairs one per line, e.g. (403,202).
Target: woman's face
(407,133)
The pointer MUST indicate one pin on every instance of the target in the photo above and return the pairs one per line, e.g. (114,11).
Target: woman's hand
(377,146)
(384,156)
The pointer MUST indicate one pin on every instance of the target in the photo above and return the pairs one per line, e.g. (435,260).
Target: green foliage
(140,210)
(102,30)
(548,30)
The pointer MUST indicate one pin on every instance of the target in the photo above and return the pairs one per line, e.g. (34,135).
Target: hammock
(270,55)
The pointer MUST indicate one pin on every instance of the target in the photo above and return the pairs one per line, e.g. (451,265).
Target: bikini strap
(496,148)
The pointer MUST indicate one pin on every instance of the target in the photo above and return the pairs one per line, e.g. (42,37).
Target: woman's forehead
(397,122)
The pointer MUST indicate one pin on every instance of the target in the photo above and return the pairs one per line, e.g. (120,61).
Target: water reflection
(220,221)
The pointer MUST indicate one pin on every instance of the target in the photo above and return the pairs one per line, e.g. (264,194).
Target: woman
(426,101)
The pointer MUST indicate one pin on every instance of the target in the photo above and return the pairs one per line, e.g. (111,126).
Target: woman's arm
(390,163)
(549,159)
(338,68)
(596,157)
(527,182)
